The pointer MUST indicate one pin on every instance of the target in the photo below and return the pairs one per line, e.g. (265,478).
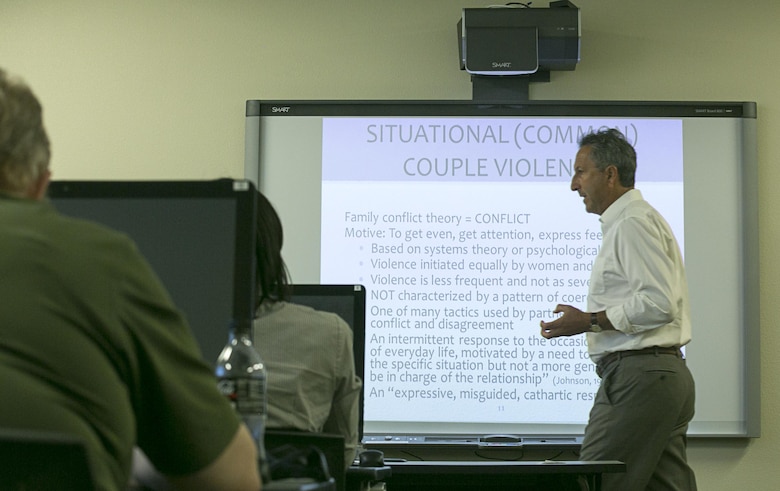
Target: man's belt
(654,350)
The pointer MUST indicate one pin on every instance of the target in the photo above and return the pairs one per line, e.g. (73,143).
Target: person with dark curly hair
(312,382)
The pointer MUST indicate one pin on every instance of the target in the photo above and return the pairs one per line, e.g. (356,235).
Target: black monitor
(198,236)
(43,460)
(348,302)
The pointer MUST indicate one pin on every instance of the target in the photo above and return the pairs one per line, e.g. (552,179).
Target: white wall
(155,89)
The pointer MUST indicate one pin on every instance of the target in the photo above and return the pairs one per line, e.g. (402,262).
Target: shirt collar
(24,201)
(4,195)
(266,307)
(614,210)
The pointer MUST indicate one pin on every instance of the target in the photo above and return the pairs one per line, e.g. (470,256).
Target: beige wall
(154,89)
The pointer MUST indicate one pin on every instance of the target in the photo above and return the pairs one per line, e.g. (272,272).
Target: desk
(300,485)
(504,475)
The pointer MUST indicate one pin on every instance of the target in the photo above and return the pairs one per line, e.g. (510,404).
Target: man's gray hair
(24,146)
(610,147)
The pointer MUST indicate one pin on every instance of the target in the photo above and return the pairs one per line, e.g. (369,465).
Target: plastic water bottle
(241,377)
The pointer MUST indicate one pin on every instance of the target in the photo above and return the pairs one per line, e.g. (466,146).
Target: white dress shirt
(639,279)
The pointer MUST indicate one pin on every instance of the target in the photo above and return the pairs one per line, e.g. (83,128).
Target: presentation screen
(459,219)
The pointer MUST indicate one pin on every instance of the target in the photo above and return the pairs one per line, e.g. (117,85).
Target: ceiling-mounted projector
(519,40)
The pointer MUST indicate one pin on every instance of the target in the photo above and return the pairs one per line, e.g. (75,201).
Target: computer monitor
(198,236)
(347,301)
(43,460)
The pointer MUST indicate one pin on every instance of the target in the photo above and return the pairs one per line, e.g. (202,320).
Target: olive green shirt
(91,345)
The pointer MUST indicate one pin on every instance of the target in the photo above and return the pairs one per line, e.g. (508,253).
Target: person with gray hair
(638,319)
(91,345)
(24,145)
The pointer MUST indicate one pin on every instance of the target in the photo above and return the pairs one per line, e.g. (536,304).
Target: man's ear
(612,175)
(38,188)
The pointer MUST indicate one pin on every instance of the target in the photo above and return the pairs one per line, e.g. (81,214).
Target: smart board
(458,218)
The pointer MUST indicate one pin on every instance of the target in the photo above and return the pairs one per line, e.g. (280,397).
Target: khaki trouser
(640,416)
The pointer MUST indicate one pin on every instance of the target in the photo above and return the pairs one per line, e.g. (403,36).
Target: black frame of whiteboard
(749,349)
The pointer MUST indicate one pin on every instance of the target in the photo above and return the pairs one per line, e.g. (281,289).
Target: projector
(512,40)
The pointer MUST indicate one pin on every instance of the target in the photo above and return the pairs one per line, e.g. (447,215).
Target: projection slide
(466,235)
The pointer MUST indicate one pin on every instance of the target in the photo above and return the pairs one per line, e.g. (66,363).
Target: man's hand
(573,321)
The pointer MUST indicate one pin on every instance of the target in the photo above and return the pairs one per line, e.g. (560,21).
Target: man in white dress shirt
(637,320)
